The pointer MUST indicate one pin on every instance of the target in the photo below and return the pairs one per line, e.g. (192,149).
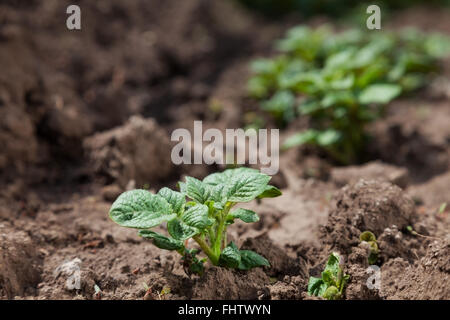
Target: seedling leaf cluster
(332,282)
(342,81)
(204,217)
(369,238)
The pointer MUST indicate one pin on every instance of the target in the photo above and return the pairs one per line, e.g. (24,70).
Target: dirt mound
(289,288)
(393,243)
(135,151)
(19,263)
(357,288)
(426,279)
(371,205)
(220,283)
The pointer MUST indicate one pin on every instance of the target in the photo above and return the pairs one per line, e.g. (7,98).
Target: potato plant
(371,240)
(332,282)
(203,218)
(342,81)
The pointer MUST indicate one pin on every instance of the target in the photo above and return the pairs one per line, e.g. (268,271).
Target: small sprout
(215,105)
(415,233)
(367,236)
(148,292)
(204,218)
(191,264)
(332,282)
(442,208)
(370,238)
(163,293)
(411,230)
(332,293)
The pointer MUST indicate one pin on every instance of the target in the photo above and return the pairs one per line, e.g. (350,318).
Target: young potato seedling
(442,208)
(370,238)
(332,281)
(342,81)
(204,218)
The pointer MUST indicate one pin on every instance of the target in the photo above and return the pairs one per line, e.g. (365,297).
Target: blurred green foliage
(342,81)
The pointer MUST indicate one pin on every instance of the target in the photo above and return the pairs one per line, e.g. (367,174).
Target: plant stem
(220,229)
(207,250)
(224,240)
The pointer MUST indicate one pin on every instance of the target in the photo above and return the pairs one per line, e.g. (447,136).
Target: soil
(85,115)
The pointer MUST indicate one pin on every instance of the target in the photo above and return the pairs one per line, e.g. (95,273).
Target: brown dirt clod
(371,205)
(135,151)
(20,264)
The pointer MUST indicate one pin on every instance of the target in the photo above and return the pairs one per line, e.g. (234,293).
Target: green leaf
(332,276)
(332,265)
(379,93)
(197,217)
(230,256)
(182,186)
(140,209)
(258,86)
(250,259)
(308,136)
(442,208)
(162,241)
(180,231)
(225,176)
(367,236)
(311,83)
(281,105)
(270,192)
(218,194)
(281,101)
(328,137)
(329,278)
(376,71)
(197,190)
(263,66)
(247,186)
(340,60)
(343,83)
(174,198)
(243,214)
(316,286)
(438,45)
(333,98)
(309,107)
